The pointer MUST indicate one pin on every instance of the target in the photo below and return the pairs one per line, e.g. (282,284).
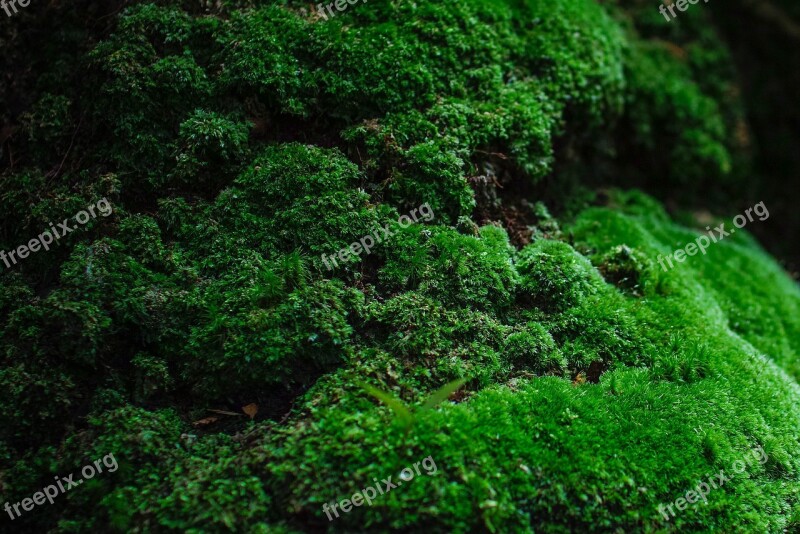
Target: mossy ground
(240,141)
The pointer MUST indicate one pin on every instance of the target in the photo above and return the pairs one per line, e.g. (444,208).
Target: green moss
(152,376)
(306,334)
(34,399)
(554,276)
(673,121)
(437,342)
(240,143)
(625,268)
(209,143)
(532,347)
(453,268)
(298,197)
(747,271)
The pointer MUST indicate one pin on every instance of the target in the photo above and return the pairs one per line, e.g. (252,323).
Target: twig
(80,123)
(774,14)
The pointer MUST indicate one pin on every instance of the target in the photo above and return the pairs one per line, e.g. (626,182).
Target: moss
(729,288)
(34,399)
(554,276)
(298,197)
(439,343)
(304,335)
(561,418)
(674,121)
(532,347)
(432,173)
(202,495)
(625,268)
(458,270)
(239,143)
(210,143)
(152,376)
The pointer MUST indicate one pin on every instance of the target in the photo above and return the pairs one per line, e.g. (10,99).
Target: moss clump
(438,343)
(459,270)
(625,268)
(306,334)
(532,347)
(240,143)
(669,109)
(554,277)
(298,197)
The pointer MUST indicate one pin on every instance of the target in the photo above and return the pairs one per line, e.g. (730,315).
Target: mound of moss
(199,335)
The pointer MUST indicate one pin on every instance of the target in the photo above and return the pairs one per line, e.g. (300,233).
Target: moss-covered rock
(201,335)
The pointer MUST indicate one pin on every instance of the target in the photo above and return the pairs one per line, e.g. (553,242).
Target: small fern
(403,414)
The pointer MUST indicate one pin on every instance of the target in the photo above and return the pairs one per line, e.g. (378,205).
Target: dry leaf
(580,379)
(251,410)
(206,421)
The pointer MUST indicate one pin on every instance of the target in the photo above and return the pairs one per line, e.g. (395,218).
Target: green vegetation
(238,141)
